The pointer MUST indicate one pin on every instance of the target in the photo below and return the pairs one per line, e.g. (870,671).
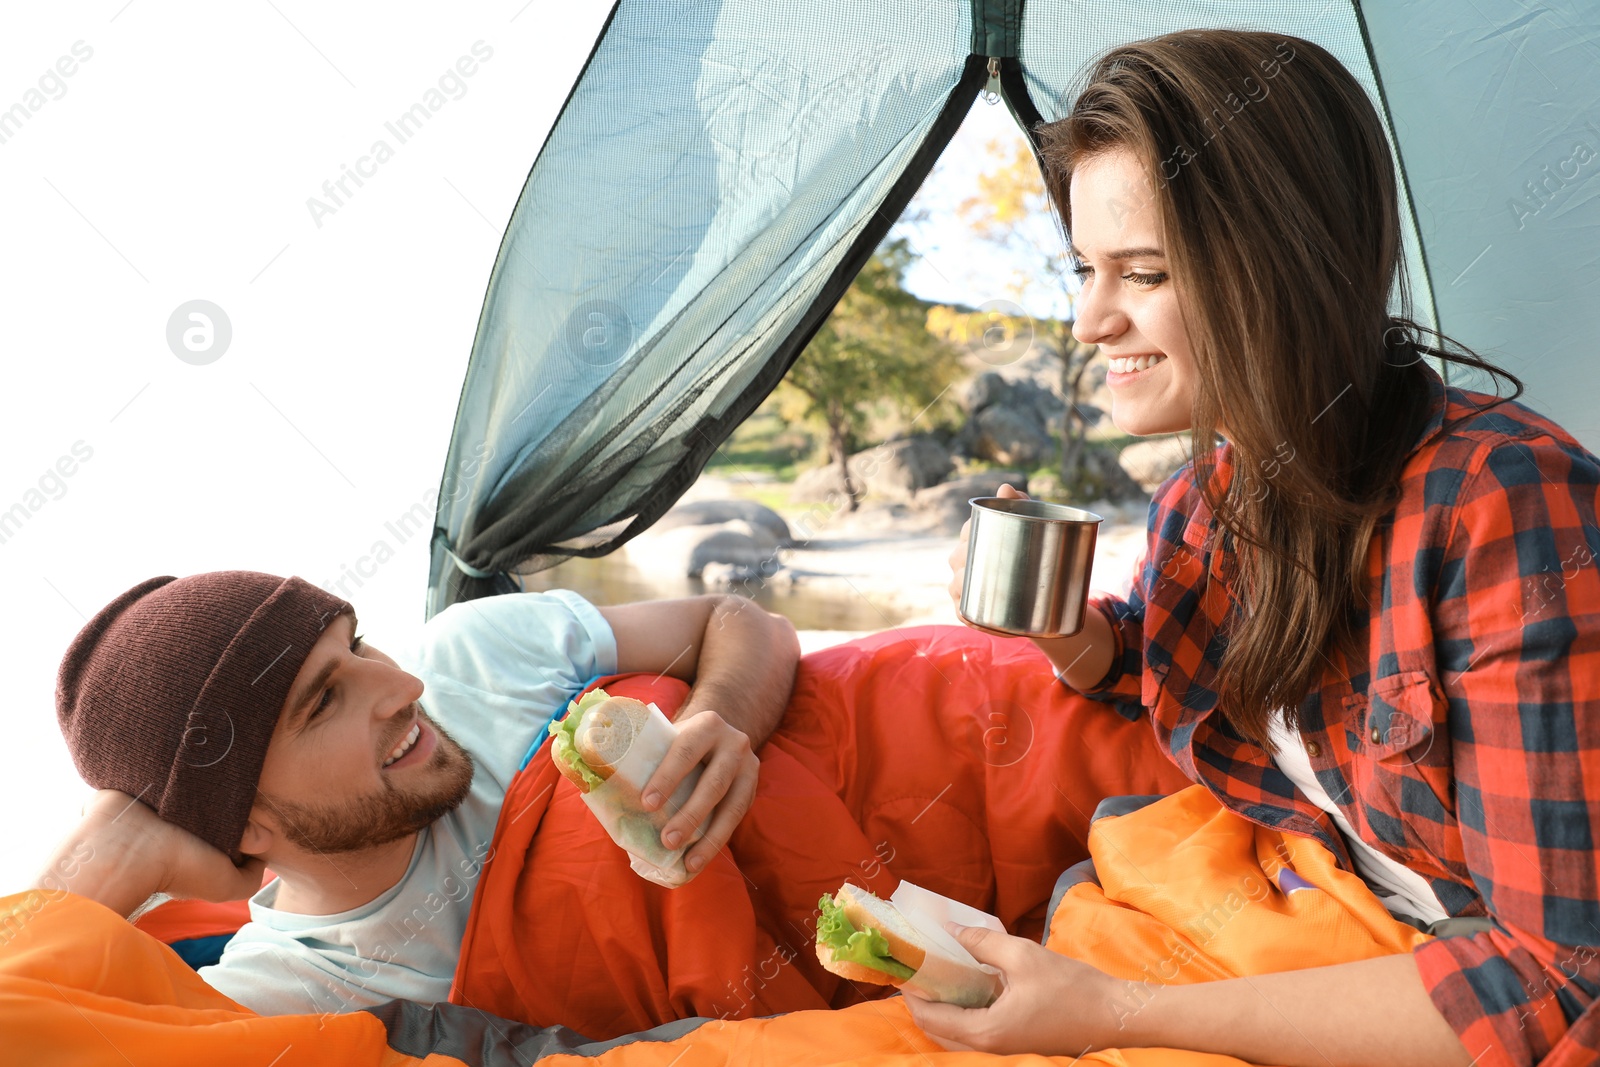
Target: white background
(176,166)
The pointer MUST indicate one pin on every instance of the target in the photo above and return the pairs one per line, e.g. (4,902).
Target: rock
(1015,436)
(947,505)
(992,390)
(1045,403)
(819,485)
(783,580)
(686,551)
(1103,476)
(1154,461)
(895,471)
(731,575)
(986,390)
(715,512)
(1012,422)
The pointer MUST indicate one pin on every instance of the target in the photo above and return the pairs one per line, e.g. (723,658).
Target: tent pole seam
(1400,165)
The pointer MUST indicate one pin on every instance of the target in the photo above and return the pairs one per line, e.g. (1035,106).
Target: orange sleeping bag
(80,985)
(987,797)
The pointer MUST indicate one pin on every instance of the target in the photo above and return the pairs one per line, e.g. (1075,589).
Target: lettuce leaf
(564,730)
(867,947)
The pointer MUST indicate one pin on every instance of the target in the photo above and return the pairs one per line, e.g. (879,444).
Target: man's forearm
(1373,1012)
(746,668)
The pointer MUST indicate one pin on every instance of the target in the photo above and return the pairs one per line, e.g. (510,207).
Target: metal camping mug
(1028,564)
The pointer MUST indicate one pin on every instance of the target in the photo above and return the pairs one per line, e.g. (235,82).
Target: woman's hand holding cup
(958,555)
(1080,660)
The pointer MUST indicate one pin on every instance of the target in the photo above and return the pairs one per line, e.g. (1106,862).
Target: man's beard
(384,817)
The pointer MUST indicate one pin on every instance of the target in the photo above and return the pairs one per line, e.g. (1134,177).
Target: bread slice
(864,910)
(855,972)
(607,731)
(572,774)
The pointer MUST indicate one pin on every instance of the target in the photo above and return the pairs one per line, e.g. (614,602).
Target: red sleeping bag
(935,754)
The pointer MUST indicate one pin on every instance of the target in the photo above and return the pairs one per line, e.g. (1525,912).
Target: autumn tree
(1012,212)
(875,347)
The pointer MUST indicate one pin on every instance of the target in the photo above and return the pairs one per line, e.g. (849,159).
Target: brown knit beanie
(171,693)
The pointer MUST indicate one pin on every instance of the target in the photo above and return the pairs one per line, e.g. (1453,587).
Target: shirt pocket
(1401,766)
(1398,726)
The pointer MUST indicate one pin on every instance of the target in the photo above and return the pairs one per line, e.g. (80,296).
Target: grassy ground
(766,445)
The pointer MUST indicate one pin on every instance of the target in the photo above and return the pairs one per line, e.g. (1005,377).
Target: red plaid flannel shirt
(1464,745)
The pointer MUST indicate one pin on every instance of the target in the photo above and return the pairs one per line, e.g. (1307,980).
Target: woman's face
(1129,303)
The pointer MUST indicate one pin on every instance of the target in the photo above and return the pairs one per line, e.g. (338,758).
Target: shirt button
(1313,749)
(1377,736)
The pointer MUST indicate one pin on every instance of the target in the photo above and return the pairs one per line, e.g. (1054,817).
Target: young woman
(1370,613)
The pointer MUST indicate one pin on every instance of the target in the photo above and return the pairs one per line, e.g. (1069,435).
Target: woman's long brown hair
(1280,219)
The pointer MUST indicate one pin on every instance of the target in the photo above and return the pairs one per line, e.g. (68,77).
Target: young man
(233,721)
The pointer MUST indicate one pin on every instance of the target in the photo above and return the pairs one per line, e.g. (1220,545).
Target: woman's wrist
(1084,659)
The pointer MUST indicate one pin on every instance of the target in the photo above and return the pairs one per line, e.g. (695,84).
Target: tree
(1012,212)
(875,347)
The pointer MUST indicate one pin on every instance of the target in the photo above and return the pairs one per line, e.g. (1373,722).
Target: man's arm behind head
(122,853)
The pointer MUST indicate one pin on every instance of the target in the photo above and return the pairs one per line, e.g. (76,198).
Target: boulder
(1013,435)
(819,485)
(725,576)
(716,512)
(986,390)
(989,390)
(686,551)
(947,507)
(1103,476)
(895,470)
(1012,421)
(1154,461)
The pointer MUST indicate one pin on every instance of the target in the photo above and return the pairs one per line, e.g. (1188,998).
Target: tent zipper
(991,91)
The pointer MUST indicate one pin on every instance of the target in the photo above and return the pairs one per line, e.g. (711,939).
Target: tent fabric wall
(720,172)
(1496,105)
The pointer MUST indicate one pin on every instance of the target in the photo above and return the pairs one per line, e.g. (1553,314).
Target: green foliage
(875,347)
(764,443)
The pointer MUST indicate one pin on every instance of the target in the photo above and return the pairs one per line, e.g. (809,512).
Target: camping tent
(720,171)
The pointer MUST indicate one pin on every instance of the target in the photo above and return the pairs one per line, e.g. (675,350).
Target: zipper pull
(991,92)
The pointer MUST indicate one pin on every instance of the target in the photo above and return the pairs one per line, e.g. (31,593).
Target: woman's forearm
(1083,659)
(1372,1012)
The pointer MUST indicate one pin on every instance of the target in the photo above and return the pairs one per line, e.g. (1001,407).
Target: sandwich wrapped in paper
(902,942)
(609,747)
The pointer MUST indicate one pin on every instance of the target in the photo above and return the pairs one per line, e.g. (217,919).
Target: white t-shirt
(495,672)
(1404,892)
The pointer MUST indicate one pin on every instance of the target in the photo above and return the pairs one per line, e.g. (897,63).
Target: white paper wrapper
(616,804)
(942,976)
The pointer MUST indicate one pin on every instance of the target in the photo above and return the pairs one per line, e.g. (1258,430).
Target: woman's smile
(1125,370)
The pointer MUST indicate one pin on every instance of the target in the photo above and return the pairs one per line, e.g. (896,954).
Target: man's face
(331,782)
